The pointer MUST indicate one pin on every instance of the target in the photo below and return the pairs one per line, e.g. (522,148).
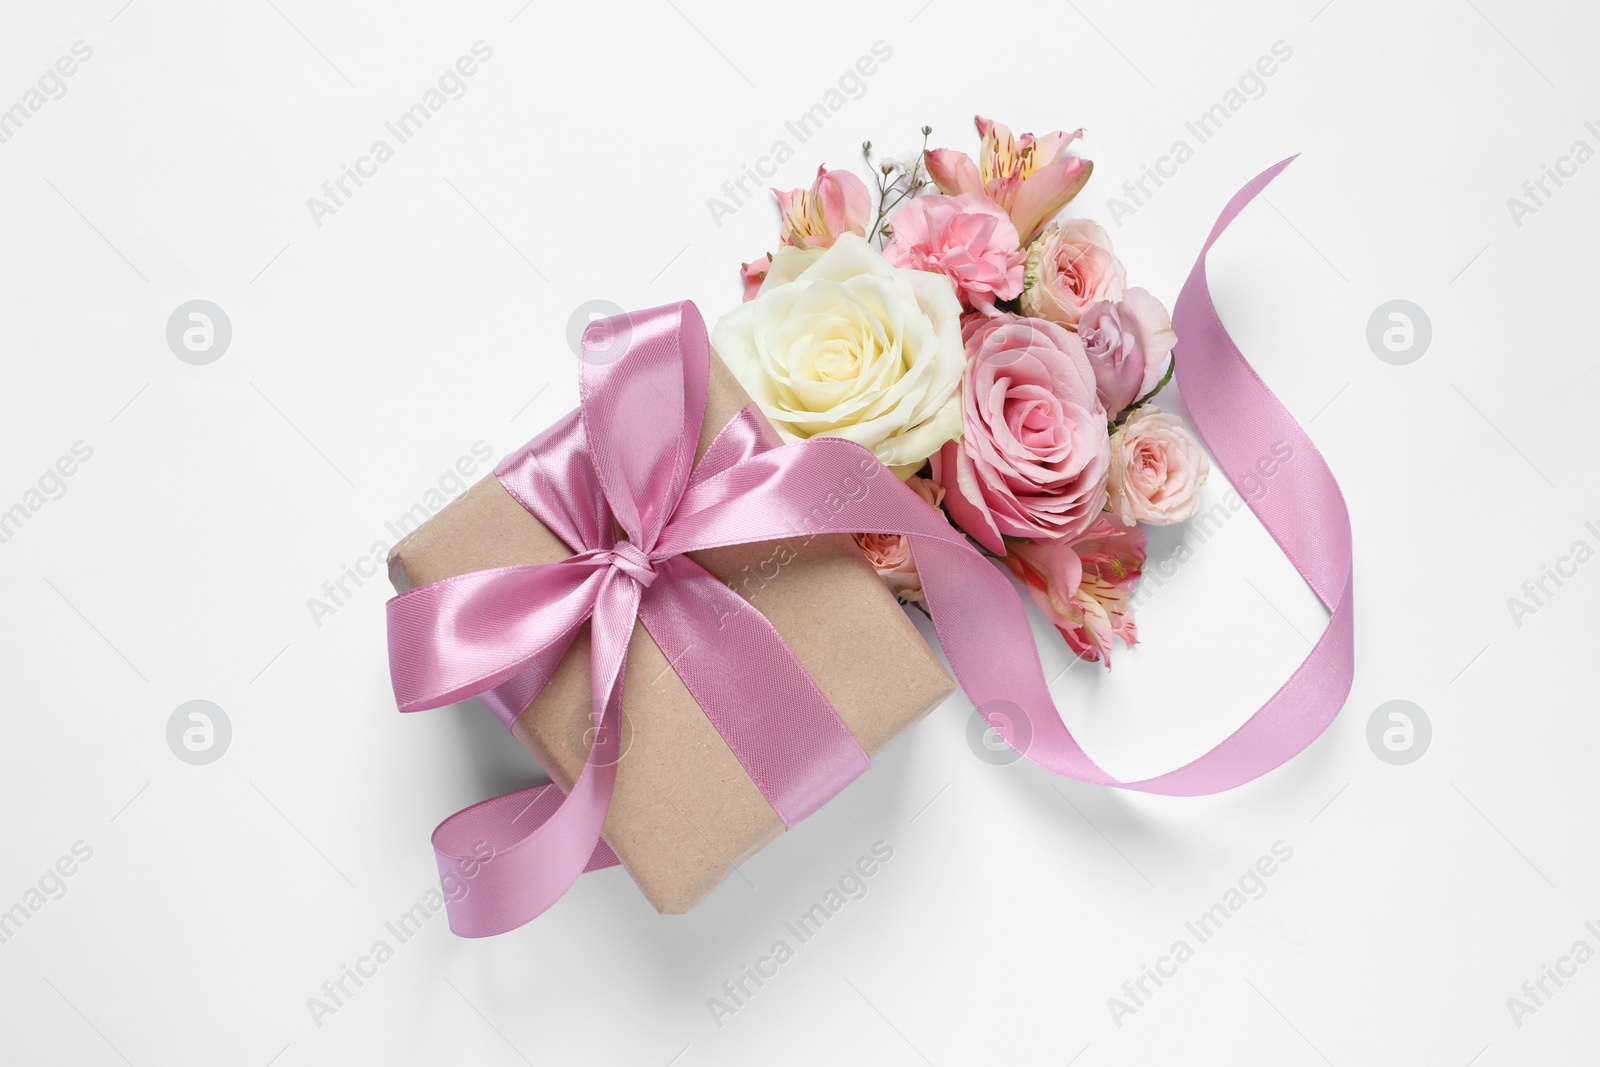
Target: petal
(952,469)
(788,263)
(849,257)
(1050,146)
(846,204)
(1046,191)
(943,309)
(912,446)
(1146,316)
(953,172)
(1061,566)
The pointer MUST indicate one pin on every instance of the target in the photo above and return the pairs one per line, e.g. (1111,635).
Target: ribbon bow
(624,462)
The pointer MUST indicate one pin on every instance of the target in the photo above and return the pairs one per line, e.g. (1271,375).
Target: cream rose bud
(1157,469)
(838,343)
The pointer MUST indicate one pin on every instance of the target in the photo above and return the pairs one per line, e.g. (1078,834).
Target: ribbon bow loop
(643,464)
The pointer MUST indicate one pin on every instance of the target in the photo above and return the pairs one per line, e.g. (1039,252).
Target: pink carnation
(967,238)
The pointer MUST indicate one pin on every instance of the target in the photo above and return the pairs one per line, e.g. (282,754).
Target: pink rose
(1069,268)
(890,554)
(836,203)
(1130,343)
(1083,586)
(967,238)
(753,274)
(1157,469)
(1033,453)
(1030,177)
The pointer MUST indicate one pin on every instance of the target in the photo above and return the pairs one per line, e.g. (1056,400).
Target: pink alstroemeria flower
(1031,177)
(837,203)
(1084,585)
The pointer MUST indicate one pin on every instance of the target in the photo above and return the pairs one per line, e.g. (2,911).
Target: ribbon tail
(525,849)
(1015,701)
(1242,423)
(467,845)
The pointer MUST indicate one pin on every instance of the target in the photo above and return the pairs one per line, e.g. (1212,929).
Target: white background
(430,312)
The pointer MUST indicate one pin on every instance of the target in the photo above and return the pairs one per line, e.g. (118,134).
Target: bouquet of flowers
(988,352)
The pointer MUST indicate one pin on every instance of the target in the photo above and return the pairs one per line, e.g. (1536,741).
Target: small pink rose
(967,238)
(890,554)
(837,203)
(1070,267)
(1157,469)
(1033,454)
(1084,586)
(1129,343)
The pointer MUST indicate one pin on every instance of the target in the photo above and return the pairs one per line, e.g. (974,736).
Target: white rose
(840,344)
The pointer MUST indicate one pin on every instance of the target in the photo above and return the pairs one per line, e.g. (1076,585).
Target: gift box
(666,605)
(684,812)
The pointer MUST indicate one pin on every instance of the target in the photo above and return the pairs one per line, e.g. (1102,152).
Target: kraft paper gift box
(685,813)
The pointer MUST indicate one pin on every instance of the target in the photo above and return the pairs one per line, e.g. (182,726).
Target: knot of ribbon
(630,561)
(625,461)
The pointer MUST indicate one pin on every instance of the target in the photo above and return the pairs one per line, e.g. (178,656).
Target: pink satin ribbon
(625,461)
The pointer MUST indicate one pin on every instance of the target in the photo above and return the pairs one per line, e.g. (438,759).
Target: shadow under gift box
(684,813)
